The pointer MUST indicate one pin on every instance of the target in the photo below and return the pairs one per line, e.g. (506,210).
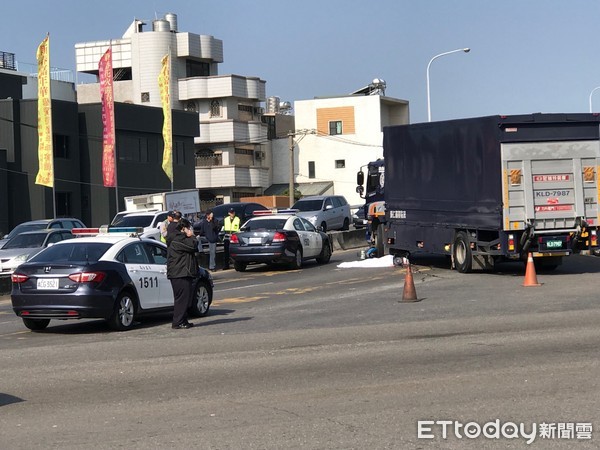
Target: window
(133,254)
(311,169)
(340,163)
(215,108)
(179,153)
(335,127)
(63,204)
(196,68)
(158,254)
(61,146)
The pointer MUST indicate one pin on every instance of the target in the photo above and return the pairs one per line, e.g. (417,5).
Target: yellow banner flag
(164,85)
(45,175)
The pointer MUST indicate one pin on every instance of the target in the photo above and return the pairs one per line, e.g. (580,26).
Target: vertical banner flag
(164,83)
(45,175)
(108,119)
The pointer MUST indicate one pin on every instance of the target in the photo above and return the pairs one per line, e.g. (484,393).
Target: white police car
(110,274)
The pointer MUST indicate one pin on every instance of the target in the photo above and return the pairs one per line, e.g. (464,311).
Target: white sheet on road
(384,261)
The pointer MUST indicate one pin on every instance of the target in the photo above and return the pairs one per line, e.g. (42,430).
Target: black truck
(493,188)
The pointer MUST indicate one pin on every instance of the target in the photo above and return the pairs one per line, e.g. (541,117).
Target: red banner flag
(108,119)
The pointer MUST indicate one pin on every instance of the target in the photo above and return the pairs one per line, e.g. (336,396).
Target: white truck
(187,201)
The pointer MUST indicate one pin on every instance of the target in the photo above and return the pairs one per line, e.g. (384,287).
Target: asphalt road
(319,358)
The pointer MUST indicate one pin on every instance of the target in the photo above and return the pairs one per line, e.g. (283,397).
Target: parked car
(19,248)
(111,276)
(330,212)
(358,216)
(150,221)
(66,223)
(121,214)
(279,239)
(244,210)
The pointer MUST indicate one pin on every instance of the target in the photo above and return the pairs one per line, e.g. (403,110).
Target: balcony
(231,131)
(7,61)
(209,161)
(232,176)
(221,86)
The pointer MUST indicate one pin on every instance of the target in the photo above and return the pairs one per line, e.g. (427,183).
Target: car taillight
(87,277)
(18,278)
(278,237)
(234,239)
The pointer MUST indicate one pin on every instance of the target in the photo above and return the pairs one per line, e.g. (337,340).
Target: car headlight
(21,258)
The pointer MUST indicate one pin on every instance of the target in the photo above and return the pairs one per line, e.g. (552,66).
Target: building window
(145,97)
(335,127)
(196,68)
(340,163)
(179,153)
(215,108)
(311,169)
(63,204)
(61,146)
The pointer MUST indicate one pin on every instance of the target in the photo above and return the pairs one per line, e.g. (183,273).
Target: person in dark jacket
(181,270)
(209,228)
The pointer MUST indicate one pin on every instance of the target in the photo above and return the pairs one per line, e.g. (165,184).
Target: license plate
(255,240)
(47,283)
(554,244)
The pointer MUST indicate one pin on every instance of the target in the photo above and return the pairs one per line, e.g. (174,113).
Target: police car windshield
(73,252)
(264,224)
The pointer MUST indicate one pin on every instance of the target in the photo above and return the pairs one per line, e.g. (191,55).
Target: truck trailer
(487,189)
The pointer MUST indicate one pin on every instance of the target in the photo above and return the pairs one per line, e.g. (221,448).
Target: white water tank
(172,19)
(161,25)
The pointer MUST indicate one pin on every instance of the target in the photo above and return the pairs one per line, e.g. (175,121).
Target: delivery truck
(487,189)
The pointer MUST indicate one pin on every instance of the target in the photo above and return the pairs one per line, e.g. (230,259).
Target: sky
(526,56)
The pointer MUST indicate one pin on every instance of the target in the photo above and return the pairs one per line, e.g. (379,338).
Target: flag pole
(115,145)
(171,113)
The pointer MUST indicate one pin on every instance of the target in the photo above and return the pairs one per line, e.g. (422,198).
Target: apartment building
(232,152)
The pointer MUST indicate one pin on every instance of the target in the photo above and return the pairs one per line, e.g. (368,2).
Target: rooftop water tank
(172,19)
(161,25)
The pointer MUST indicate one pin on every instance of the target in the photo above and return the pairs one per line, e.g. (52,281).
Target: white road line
(244,287)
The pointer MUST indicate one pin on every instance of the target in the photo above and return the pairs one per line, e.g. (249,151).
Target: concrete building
(232,150)
(334,137)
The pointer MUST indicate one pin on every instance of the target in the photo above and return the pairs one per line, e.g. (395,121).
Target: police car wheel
(325,255)
(297,262)
(123,314)
(201,301)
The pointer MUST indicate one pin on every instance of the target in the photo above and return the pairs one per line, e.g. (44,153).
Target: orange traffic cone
(530,275)
(409,294)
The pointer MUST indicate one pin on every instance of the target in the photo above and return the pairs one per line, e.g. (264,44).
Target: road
(319,358)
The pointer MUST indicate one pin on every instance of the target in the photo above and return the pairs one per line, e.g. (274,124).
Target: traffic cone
(409,294)
(530,275)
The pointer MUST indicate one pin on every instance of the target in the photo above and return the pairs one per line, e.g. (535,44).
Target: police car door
(144,274)
(158,259)
(306,239)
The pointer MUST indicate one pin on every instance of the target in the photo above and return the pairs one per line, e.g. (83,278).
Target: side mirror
(360,178)
(328,207)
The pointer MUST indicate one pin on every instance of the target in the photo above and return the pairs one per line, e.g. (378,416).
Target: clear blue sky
(526,55)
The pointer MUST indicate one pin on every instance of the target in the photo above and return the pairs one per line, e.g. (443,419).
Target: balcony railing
(55,72)
(209,161)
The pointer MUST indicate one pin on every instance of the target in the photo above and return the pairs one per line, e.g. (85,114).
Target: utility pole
(291,145)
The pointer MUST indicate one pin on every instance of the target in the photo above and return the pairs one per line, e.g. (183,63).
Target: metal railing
(7,61)
(209,161)
(55,72)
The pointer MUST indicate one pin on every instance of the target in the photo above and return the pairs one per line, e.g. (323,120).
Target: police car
(109,273)
(280,238)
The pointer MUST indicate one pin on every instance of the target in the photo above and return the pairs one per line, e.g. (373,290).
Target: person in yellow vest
(231,225)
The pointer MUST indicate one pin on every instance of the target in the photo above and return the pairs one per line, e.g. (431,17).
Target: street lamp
(466,50)
(591,93)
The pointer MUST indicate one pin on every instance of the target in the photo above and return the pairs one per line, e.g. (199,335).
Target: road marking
(244,287)
(238,300)
(5,313)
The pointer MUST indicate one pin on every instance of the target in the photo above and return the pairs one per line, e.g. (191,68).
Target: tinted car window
(264,224)
(26,227)
(158,254)
(54,238)
(298,225)
(135,221)
(307,225)
(55,225)
(26,241)
(82,252)
(327,203)
(160,218)
(337,202)
(133,254)
(308,205)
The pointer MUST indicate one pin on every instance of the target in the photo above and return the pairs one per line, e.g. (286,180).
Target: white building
(232,151)
(334,137)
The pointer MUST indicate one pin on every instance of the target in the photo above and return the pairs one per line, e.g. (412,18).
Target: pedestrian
(209,228)
(181,270)
(231,225)
(164,226)
(173,217)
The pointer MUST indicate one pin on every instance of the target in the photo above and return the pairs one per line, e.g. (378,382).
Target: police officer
(231,225)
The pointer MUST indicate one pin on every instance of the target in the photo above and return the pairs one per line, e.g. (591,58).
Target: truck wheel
(463,257)
(379,245)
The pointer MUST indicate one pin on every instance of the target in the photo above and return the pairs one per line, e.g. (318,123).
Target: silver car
(23,246)
(327,212)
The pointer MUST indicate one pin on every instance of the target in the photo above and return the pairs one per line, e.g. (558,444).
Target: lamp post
(466,50)
(592,93)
